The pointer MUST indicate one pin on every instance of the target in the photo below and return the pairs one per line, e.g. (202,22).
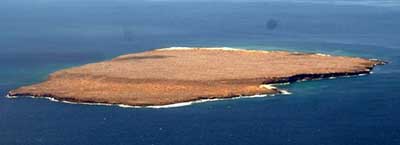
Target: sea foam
(212,48)
(181,104)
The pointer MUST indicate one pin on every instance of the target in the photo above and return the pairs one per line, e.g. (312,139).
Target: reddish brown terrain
(167,76)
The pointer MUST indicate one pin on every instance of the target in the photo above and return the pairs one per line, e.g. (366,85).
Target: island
(182,74)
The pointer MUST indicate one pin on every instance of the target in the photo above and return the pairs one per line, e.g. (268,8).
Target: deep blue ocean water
(40,37)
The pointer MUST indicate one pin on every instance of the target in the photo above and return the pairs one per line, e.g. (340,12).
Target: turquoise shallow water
(38,38)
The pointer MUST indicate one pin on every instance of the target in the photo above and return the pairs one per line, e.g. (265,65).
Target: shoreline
(189,103)
(174,105)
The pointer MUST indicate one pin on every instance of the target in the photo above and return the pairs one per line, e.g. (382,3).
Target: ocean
(43,36)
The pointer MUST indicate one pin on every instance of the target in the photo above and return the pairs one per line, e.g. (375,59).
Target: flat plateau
(175,75)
